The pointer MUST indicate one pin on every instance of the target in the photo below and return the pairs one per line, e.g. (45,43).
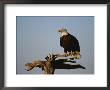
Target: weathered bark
(48,65)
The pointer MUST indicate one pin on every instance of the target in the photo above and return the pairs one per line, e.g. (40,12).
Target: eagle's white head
(63,31)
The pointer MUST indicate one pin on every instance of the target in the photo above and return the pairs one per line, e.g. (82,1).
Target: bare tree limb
(48,65)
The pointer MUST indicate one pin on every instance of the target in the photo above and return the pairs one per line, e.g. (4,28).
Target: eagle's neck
(64,33)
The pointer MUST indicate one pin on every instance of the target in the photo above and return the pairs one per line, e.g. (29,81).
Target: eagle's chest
(66,38)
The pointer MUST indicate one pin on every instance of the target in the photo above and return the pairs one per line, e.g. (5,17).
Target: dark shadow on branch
(49,66)
(60,64)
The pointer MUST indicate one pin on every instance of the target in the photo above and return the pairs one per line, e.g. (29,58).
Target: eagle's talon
(72,53)
(78,56)
(66,54)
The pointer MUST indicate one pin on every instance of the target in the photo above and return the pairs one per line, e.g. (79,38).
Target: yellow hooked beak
(59,30)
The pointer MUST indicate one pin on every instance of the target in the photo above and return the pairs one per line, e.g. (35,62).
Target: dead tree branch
(48,65)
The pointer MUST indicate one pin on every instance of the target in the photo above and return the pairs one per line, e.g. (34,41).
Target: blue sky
(37,36)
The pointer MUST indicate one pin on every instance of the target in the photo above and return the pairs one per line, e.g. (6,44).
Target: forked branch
(48,65)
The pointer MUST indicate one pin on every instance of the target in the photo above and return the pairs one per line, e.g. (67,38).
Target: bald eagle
(69,43)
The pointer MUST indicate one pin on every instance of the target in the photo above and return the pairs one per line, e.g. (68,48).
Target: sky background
(37,36)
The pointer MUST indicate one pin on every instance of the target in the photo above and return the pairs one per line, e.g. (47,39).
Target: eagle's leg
(72,55)
(77,55)
(65,54)
(68,53)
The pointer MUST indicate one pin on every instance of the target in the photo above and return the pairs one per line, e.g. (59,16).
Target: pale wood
(48,65)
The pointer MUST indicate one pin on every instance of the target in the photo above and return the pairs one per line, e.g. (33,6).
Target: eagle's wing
(61,42)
